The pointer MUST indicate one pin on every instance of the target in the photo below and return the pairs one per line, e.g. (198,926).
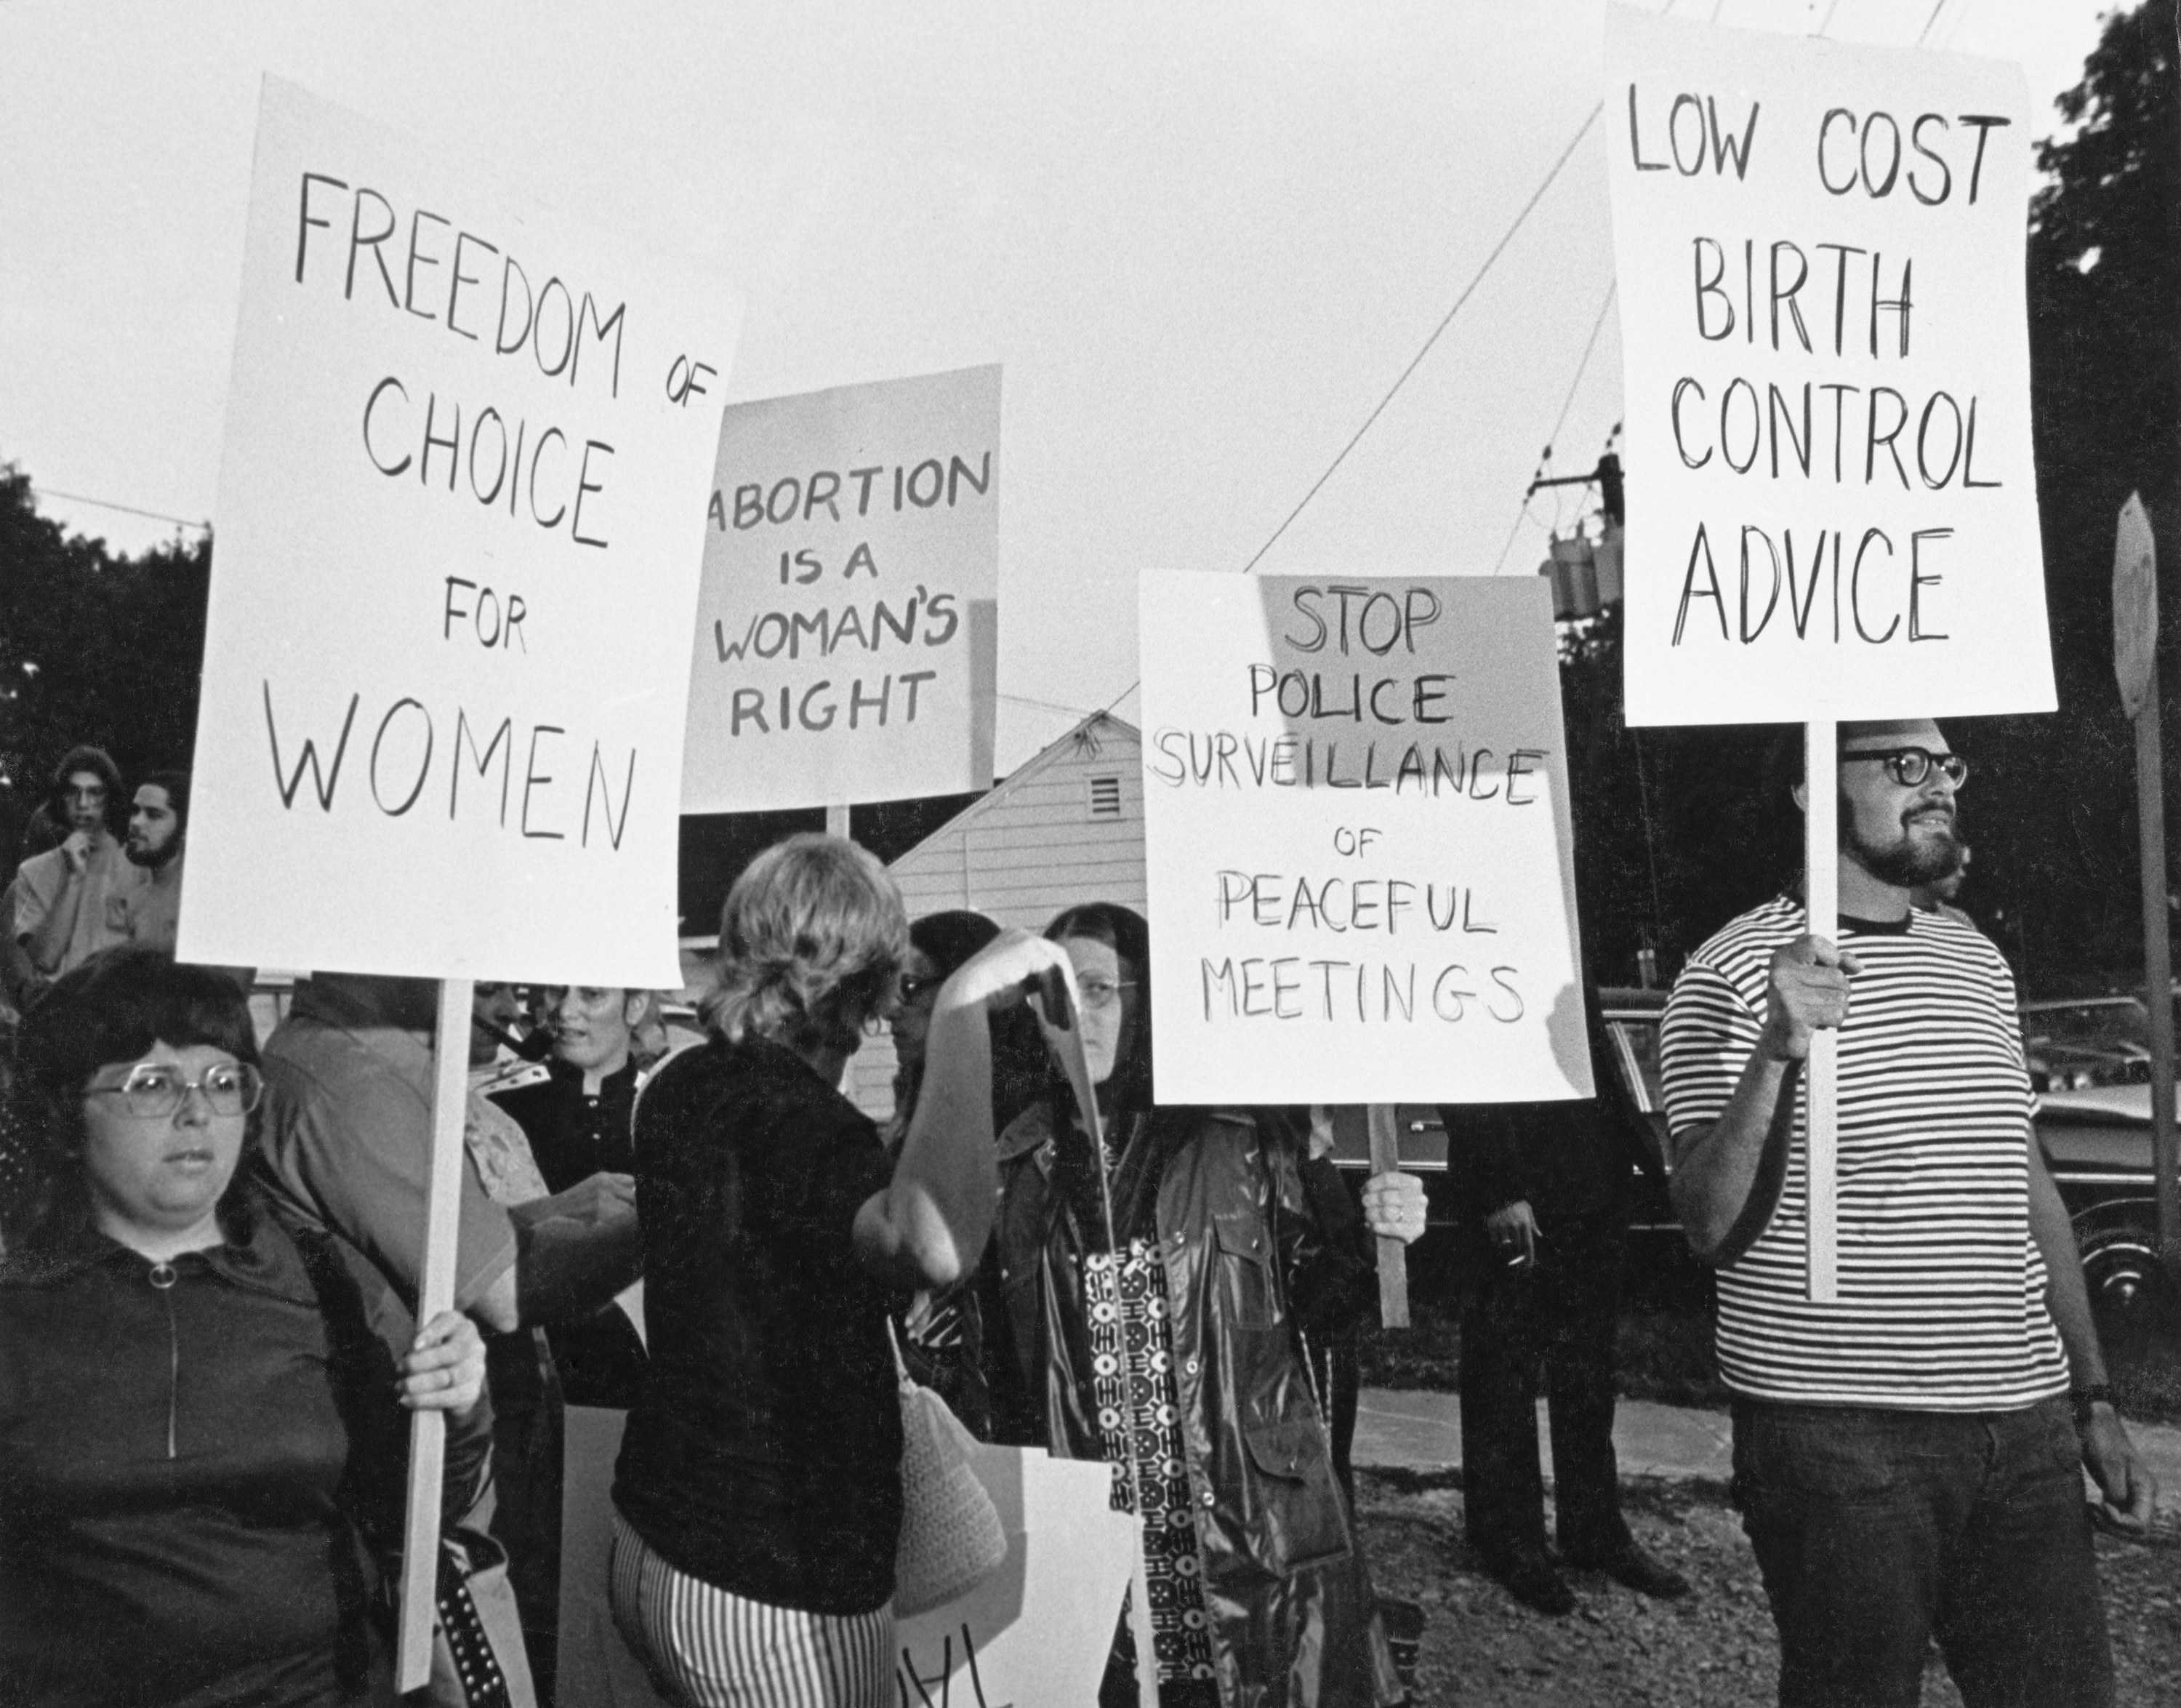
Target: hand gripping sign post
(1832,505)
(440,731)
(1358,846)
(2135,666)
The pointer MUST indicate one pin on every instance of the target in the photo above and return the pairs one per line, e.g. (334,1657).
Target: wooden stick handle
(1384,1128)
(436,1290)
(1821,1074)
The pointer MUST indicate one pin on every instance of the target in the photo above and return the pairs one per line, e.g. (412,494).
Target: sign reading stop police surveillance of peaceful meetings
(1832,511)
(1357,829)
(461,511)
(847,635)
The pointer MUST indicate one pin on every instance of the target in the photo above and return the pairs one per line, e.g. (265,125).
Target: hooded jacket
(1249,1275)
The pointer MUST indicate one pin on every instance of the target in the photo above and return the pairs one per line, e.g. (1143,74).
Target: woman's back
(764,1455)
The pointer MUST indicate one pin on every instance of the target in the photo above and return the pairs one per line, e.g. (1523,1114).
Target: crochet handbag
(951,1538)
(477,1656)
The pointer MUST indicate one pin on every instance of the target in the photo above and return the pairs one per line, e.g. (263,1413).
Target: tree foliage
(93,647)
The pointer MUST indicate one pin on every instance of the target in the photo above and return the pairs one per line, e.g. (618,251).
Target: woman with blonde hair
(758,1495)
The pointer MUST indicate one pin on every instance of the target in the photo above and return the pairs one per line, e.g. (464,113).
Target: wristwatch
(2083,1399)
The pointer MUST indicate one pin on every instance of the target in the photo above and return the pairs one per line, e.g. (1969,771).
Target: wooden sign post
(1821,1072)
(427,1430)
(2135,665)
(1385,1130)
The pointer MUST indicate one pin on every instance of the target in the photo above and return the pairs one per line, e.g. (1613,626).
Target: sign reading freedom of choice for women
(459,540)
(847,632)
(1356,818)
(1832,505)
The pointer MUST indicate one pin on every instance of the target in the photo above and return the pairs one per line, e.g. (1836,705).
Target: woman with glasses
(203,1407)
(1159,1303)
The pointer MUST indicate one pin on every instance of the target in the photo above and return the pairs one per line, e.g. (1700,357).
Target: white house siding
(1023,852)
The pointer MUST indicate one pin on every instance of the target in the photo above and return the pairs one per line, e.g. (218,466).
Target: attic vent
(1105,796)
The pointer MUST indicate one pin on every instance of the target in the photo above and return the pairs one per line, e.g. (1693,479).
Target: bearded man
(158,828)
(1908,1456)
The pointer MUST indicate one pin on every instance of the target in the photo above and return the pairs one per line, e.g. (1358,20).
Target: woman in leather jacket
(1170,1341)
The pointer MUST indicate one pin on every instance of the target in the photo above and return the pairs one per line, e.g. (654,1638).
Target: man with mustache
(1909,1457)
(158,830)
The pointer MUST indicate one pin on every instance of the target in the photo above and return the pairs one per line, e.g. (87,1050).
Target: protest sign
(1832,510)
(848,632)
(1357,841)
(460,506)
(1036,1630)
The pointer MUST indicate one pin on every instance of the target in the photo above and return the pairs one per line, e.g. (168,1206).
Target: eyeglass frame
(253,1089)
(1099,1004)
(1952,765)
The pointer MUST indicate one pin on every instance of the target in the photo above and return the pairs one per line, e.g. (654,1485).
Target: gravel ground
(1481,1647)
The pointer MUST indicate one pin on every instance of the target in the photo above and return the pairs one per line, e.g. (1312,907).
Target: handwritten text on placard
(1832,510)
(846,634)
(1357,817)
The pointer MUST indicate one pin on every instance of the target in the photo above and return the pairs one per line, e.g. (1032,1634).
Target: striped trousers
(707,1648)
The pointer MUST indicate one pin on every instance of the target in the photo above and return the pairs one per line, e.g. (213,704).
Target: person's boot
(1626,1562)
(1532,1579)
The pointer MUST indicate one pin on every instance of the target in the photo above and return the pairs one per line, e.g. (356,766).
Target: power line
(1415,361)
(1561,421)
(1076,711)
(126,508)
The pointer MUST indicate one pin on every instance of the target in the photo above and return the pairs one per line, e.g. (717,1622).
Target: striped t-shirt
(1942,1303)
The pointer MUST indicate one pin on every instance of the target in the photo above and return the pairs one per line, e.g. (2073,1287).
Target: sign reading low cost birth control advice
(1358,838)
(1832,508)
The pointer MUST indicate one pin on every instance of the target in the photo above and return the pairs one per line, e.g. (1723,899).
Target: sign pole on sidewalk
(1821,1073)
(2135,665)
(428,1432)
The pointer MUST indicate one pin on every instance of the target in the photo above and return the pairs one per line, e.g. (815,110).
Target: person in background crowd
(1542,1190)
(1169,1343)
(503,1054)
(1940,895)
(578,1113)
(347,1143)
(758,1497)
(199,1513)
(19,977)
(941,1331)
(158,830)
(74,900)
(575,1115)
(1908,1456)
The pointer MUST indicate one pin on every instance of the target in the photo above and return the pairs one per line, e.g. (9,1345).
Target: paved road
(1420,1431)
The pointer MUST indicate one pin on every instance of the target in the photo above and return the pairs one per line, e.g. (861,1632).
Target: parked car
(2073,1043)
(2088,1058)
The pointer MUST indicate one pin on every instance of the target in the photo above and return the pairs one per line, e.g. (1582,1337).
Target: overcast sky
(1203,242)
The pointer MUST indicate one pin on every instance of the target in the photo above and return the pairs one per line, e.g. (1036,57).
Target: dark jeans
(1558,1314)
(1878,1531)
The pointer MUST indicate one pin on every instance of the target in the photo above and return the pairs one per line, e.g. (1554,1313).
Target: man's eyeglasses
(1910,766)
(154,1090)
(1099,996)
(909,990)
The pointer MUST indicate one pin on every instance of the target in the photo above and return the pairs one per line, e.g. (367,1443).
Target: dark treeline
(93,647)
(1673,839)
